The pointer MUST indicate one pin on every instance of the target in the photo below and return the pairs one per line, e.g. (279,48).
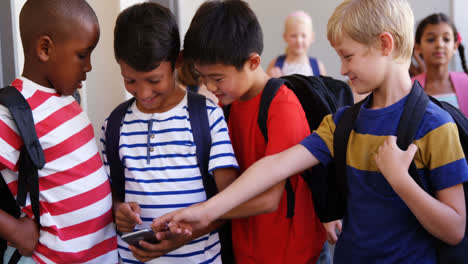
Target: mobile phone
(134,237)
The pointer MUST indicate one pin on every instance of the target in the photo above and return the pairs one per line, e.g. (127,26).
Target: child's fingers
(339,226)
(158,225)
(166,235)
(136,212)
(180,229)
(412,150)
(129,212)
(332,238)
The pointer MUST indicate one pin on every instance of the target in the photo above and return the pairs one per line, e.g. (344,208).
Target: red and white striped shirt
(74,191)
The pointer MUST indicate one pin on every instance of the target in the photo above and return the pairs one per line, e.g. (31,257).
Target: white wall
(186,10)
(19,55)
(104,86)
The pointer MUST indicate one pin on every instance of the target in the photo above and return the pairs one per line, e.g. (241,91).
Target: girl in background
(437,39)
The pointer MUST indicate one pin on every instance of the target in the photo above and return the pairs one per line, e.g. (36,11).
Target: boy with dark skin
(58,37)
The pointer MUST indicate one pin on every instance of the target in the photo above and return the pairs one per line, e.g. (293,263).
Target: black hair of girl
(435,19)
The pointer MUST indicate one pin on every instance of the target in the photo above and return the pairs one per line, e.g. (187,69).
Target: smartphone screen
(134,237)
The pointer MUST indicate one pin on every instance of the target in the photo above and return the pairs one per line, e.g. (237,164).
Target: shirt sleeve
(221,152)
(10,141)
(440,153)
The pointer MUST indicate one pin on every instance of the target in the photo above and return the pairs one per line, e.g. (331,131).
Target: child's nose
(211,86)
(144,91)
(87,66)
(343,69)
(440,42)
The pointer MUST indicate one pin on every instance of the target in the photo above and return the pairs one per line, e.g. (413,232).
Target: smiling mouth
(149,101)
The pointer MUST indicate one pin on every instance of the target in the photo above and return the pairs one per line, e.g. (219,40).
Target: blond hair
(364,20)
(298,16)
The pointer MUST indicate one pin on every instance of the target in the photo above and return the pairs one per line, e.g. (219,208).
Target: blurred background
(104,88)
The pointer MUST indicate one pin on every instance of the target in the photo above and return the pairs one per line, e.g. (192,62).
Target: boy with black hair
(225,42)
(157,143)
(75,200)
(389,217)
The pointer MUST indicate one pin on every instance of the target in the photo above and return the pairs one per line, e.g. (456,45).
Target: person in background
(437,40)
(298,35)
(190,80)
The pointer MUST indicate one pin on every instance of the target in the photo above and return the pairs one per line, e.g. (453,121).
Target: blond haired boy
(389,217)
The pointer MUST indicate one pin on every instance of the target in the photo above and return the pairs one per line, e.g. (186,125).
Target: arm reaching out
(263,174)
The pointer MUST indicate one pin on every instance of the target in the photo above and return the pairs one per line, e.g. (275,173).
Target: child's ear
(386,43)
(254,61)
(180,60)
(457,44)
(44,46)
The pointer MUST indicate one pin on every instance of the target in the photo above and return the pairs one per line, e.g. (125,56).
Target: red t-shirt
(273,238)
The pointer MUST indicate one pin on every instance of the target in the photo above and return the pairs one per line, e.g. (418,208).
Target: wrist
(398,179)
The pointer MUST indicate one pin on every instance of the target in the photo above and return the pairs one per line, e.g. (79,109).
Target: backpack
(313,64)
(410,120)
(31,159)
(202,137)
(319,96)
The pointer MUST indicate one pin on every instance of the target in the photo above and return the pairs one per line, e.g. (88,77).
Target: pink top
(460,84)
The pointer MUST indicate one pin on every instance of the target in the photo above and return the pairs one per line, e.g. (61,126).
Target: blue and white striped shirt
(162,174)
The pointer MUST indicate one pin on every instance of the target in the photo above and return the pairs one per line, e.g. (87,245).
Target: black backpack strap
(412,115)
(114,122)
(410,120)
(31,156)
(340,144)
(269,92)
(226,112)
(22,114)
(15,258)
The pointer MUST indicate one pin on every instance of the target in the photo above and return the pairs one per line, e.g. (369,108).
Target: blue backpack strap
(114,123)
(31,156)
(314,65)
(269,92)
(280,61)
(202,136)
(193,88)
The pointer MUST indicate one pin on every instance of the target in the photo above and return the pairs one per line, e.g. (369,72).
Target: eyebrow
(210,75)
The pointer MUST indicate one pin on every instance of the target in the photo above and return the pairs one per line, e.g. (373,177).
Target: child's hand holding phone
(134,238)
